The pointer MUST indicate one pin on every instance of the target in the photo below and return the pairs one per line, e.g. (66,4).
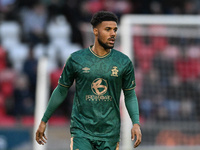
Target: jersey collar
(90,48)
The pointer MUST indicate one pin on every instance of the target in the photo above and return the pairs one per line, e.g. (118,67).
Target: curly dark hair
(103,16)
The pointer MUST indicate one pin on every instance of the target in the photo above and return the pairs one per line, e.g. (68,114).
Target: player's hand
(40,136)
(135,131)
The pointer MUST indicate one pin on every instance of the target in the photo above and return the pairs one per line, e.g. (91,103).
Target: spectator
(156,7)
(55,8)
(187,68)
(8,10)
(73,14)
(30,69)
(26,3)
(190,7)
(24,104)
(7,78)
(119,7)
(164,62)
(34,21)
(145,54)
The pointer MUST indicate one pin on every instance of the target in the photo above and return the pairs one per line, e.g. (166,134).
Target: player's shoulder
(118,54)
(121,58)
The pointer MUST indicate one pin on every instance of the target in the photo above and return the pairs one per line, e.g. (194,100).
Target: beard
(104,45)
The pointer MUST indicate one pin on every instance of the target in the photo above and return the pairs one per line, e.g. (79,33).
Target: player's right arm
(40,136)
(57,97)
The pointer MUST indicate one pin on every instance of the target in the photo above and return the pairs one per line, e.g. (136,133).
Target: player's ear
(95,31)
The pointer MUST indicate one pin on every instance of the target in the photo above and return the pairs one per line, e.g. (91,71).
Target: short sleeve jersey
(99,81)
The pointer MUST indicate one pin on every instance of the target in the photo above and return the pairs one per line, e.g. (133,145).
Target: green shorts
(81,143)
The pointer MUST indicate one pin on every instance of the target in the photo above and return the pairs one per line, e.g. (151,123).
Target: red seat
(2,59)
(95,6)
(7,88)
(55,75)
(145,55)
(2,106)
(27,120)
(7,121)
(159,43)
(58,121)
(188,68)
(138,42)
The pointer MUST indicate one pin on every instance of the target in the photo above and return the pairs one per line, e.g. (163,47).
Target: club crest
(114,71)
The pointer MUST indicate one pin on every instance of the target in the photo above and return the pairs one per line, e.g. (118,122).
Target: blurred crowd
(167,75)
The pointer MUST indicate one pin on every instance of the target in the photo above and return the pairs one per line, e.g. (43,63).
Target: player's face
(107,32)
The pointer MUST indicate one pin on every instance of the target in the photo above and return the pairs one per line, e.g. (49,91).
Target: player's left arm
(131,103)
(136,132)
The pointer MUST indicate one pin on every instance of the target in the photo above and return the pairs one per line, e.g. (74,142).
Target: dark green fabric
(131,103)
(96,105)
(57,97)
(81,143)
(99,81)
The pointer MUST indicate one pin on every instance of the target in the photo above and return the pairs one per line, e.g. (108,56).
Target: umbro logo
(86,70)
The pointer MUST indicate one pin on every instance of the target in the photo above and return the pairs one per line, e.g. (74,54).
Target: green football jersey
(99,80)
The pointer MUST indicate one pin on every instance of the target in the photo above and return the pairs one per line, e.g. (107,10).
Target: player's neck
(99,50)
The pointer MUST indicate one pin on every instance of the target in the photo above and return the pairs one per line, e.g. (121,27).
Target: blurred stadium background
(166,60)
